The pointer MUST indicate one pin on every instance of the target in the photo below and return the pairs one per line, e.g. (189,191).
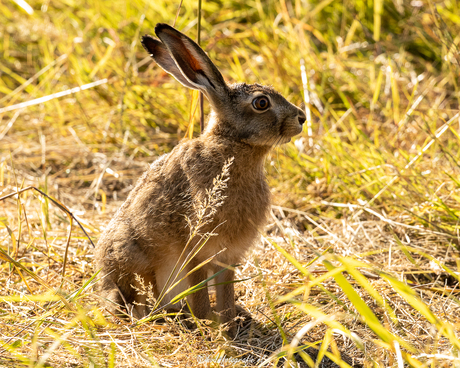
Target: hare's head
(254,114)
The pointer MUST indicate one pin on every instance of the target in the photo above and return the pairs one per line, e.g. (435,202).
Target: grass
(361,253)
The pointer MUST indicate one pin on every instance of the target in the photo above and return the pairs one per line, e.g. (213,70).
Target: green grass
(362,250)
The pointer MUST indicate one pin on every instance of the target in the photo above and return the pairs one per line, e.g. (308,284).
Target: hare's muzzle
(301,117)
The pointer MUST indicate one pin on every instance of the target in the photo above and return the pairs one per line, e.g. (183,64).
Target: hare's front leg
(225,297)
(167,275)
(200,305)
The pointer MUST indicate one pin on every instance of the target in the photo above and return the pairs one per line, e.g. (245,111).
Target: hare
(149,232)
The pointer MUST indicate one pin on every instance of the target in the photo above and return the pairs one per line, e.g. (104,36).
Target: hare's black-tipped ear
(193,62)
(160,54)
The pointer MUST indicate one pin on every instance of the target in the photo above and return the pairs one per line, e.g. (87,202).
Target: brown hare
(149,232)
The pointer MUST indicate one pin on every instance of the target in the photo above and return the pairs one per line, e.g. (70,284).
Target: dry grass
(361,252)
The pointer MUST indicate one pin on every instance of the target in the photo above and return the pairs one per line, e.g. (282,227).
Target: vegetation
(361,258)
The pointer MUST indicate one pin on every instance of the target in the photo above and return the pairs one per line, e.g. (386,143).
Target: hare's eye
(261,103)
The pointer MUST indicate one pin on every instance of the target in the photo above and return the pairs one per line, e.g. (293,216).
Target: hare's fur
(150,230)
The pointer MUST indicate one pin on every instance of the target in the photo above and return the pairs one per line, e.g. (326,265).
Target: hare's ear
(160,54)
(192,61)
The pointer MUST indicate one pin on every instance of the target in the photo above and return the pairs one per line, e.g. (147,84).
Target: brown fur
(150,230)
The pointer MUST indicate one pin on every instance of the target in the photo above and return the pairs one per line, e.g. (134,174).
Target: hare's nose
(301,117)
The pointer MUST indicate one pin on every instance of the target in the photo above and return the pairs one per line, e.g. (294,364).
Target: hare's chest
(245,207)
(238,221)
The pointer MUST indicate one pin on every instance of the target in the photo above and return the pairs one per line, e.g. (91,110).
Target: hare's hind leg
(110,292)
(121,298)
(225,298)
